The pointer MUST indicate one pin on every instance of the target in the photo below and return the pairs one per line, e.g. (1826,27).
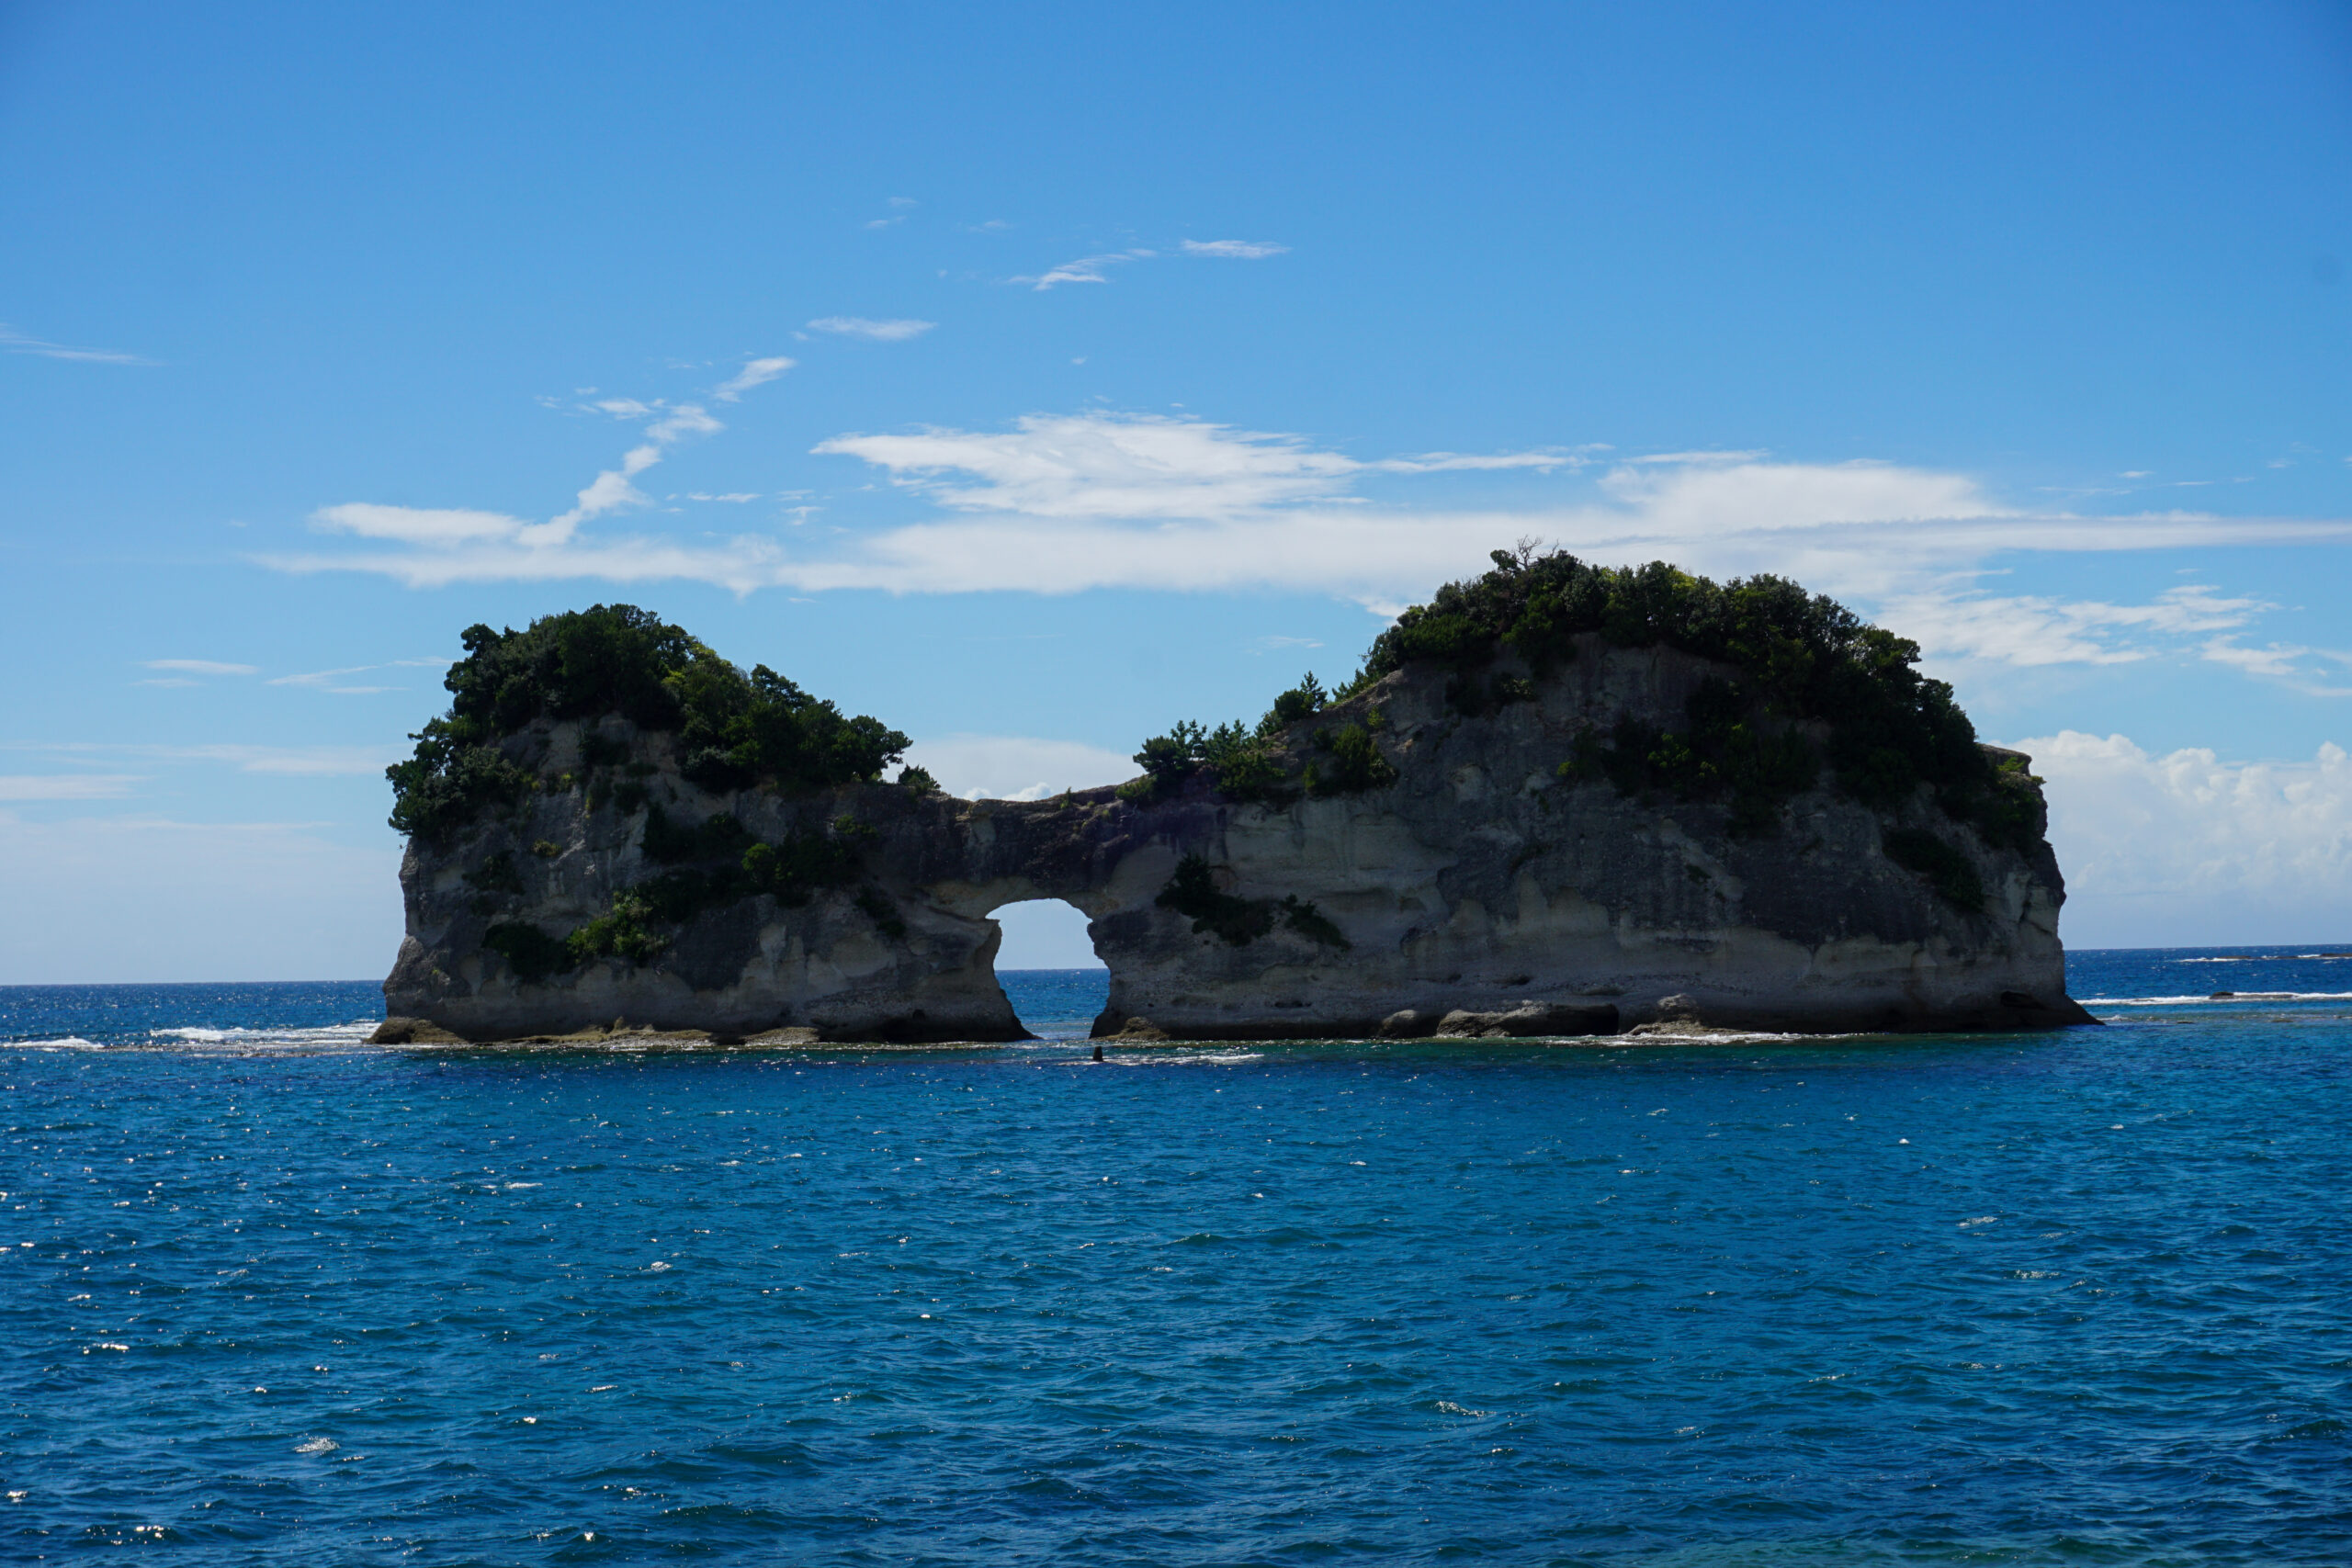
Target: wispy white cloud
(1062,503)
(1239,250)
(1138,466)
(525,553)
(608,492)
(2030,630)
(738,496)
(894,331)
(338,681)
(1444,462)
(306,761)
(200,666)
(437,528)
(611,490)
(1096,268)
(687,419)
(2297,667)
(15,341)
(2184,847)
(1691,459)
(65,786)
(755,373)
(1085,269)
(1105,466)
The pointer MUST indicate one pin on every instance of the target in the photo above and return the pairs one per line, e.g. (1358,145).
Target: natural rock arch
(1479,883)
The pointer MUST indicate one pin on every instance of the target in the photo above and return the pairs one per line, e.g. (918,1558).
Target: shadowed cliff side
(1596,829)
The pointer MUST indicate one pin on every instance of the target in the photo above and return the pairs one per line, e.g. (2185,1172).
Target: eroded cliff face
(1480,892)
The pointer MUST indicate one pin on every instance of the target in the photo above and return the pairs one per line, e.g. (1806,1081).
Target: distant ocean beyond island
(1057,1005)
(2058,1297)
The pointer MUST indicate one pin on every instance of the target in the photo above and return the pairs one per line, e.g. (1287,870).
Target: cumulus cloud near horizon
(1013,767)
(2184,848)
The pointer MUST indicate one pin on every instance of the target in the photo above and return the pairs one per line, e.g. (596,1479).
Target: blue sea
(271,1293)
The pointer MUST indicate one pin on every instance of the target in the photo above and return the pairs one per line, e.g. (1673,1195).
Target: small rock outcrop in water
(1557,801)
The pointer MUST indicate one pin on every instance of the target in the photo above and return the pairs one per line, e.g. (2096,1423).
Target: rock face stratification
(1514,859)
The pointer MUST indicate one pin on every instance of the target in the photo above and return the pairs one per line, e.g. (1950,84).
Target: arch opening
(1047,968)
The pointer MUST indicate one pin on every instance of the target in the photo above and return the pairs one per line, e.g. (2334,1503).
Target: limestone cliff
(1504,853)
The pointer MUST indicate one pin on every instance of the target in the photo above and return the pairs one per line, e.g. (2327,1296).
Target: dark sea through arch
(272,1293)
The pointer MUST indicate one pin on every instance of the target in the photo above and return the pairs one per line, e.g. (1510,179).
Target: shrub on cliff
(719,862)
(1303,701)
(1946,869)
(1193,892)
(1242,761)
(763,728)
(607,659)
(1800,656)
(1722,752)
(734,730)
(448,782)
(1352,762)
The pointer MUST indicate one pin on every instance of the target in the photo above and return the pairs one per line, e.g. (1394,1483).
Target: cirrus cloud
(199,667)
(755,373)
(898,331)
(15,341)
(1238,250)
(65,786)
(1060,504)
(1085,269)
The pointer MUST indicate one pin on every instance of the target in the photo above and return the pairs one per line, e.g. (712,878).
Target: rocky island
(1558,800)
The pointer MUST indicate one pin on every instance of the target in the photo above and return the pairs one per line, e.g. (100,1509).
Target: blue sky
(1140,357)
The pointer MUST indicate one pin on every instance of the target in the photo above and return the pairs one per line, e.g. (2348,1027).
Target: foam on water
(267,1294)
(2217,999)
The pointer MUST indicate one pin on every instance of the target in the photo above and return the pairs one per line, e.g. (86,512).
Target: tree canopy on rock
(734,730)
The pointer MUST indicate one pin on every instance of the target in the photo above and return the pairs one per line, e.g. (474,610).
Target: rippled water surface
(272,1293)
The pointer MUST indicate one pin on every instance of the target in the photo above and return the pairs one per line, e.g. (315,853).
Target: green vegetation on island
(734,730)
(710,865)
(1245,765)
(1193,892)
(1813,695)
(1805,667)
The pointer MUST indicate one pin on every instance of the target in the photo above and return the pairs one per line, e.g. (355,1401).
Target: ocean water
(269,1293)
